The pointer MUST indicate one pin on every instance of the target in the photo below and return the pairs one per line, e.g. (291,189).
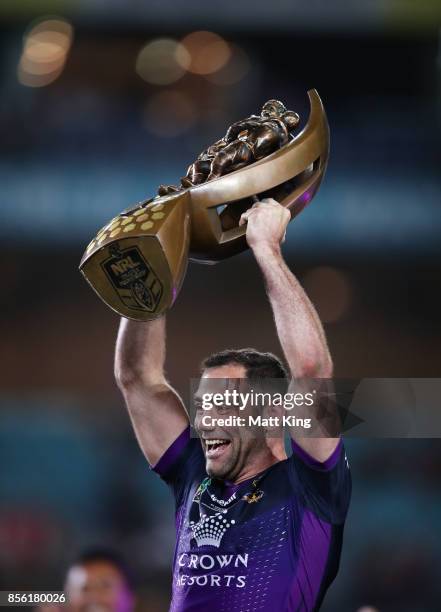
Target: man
(255,530)
(99,581)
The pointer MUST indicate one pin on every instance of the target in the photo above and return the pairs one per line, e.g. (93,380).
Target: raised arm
(298,326)
(156,410)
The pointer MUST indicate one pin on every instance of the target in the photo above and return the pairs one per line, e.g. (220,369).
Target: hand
(267,221)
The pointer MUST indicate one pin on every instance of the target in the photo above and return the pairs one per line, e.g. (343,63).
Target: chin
(216,471)
(220,465)
(213,471)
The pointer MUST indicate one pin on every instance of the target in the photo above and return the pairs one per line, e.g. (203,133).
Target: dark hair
(257,365)
(107,555)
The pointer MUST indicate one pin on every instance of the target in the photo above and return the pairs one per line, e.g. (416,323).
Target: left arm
(300,332)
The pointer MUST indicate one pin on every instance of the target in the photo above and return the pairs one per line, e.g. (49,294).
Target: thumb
(243,218)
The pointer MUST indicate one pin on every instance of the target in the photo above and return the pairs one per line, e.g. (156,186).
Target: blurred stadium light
(100,138)
(162,61)
(45,49)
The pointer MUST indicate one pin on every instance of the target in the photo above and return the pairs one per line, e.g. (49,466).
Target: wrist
(266,249)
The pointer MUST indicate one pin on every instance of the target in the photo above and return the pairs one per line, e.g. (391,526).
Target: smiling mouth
(216,447)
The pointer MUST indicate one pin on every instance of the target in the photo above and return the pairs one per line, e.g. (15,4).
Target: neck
(276,452)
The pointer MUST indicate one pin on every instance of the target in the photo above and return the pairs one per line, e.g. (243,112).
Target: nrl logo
(133,278)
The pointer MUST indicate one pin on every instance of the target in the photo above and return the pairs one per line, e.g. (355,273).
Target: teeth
(211,442)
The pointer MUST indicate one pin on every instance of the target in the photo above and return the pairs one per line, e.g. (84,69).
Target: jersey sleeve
(181,464)
(324,487)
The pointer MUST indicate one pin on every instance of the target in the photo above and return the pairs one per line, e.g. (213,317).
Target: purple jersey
(269,543)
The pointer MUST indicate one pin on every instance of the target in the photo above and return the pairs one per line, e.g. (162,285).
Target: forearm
(140,352)
(304,345)
(156,410)
(298,326)
(240,126)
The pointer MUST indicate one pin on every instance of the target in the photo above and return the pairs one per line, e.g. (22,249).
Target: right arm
(250,123)
(156,410)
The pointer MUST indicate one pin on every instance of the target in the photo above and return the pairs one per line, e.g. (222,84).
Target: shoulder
(182,463)
(324,487)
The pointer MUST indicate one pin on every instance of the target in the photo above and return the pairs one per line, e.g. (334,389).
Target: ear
(270,410)
(291,119)
(274,430)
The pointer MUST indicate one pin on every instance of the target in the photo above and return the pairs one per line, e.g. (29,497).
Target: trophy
(137,261)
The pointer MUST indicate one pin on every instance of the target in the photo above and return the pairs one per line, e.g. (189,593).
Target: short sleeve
(181,464)
(325,487)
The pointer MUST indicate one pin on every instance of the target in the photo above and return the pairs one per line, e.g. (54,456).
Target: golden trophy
(137,261)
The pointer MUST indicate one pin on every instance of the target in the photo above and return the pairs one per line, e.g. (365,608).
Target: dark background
(80,148)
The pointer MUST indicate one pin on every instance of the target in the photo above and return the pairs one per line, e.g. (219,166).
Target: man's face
(227,449)
(97,586)
(273,108)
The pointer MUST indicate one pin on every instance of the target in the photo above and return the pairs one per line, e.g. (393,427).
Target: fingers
(275,205)
(244,216)
(262,204)
(271,201)
(268,202)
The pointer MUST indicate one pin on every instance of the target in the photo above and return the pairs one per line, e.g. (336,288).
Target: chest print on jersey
(210,530)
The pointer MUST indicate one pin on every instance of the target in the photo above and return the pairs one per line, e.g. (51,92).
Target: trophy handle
(290,175)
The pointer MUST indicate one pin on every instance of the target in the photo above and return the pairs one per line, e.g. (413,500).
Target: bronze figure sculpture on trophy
(244,143)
